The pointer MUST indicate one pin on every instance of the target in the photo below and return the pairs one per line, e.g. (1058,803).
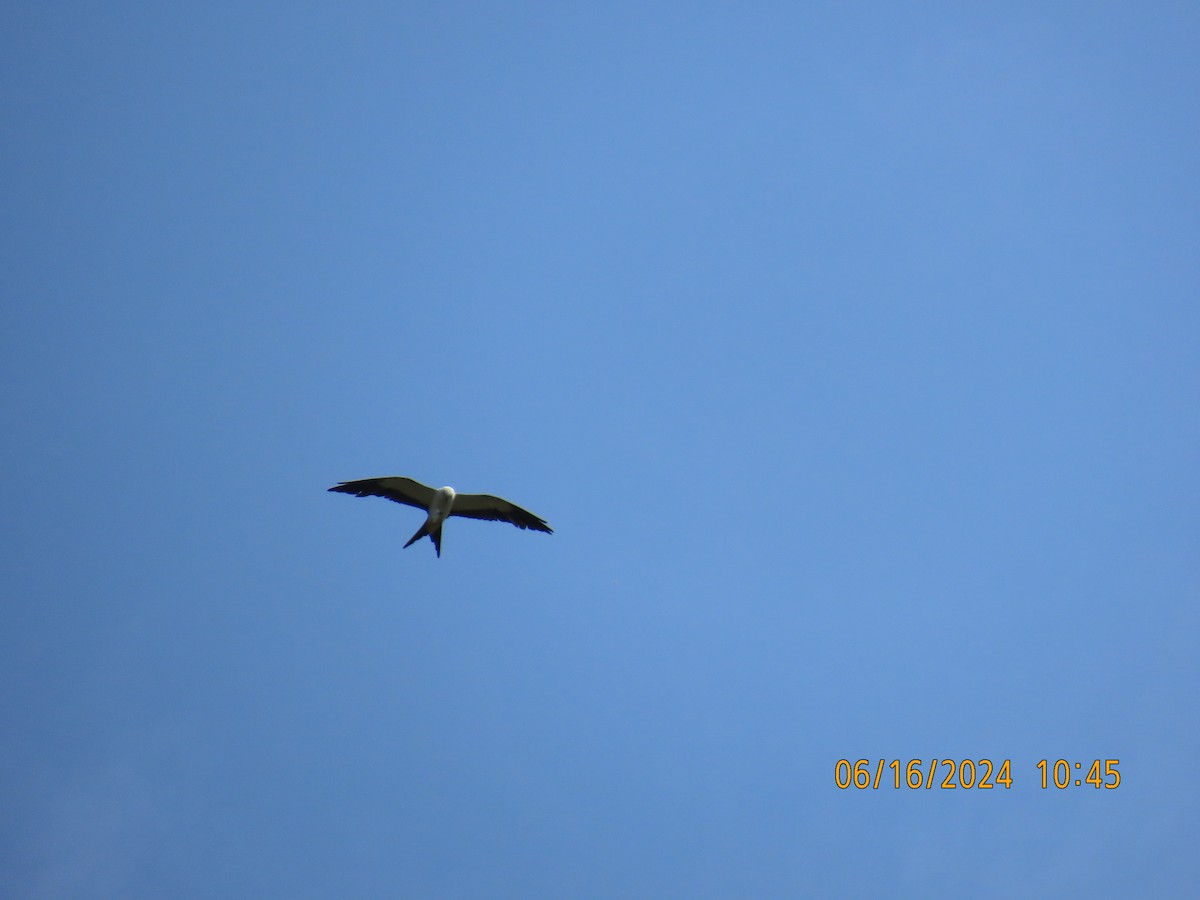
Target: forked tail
(435,536)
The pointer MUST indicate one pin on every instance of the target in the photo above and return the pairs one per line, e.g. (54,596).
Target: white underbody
(439,508)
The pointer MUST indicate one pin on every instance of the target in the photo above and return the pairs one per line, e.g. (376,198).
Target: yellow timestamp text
(1061,773)
(967,774)
(916,774)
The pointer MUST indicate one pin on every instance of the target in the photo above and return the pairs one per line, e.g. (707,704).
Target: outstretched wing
(402,490)
(496,509)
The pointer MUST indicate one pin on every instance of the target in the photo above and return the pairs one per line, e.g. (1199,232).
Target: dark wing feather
(402,490)
(496,509)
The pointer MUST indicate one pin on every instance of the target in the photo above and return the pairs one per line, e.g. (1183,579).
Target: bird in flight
(440,504)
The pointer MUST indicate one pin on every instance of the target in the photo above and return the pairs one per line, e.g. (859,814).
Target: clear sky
(851,349)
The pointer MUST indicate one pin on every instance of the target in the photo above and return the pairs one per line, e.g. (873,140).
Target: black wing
(496,509)
(402,490)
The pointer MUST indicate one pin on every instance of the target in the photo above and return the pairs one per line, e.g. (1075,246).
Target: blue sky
(850,349)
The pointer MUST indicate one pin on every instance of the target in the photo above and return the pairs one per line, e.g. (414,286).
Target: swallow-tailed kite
(442,503)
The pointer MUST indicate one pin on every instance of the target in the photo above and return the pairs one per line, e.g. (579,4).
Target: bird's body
(440,504)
